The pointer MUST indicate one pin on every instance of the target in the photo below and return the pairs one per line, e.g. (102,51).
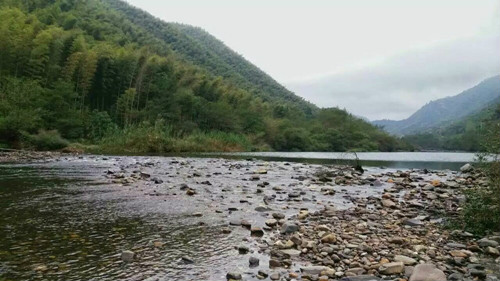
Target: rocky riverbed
(296,221)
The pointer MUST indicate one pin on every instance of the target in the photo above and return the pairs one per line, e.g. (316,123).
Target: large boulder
(427,272)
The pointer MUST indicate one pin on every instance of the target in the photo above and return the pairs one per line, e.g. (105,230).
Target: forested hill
(440,112)
(467,134)
(203,49)
(105,75)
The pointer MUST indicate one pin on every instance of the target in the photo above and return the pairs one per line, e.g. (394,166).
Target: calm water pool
(406,160)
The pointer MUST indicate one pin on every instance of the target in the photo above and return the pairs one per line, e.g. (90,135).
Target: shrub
(45,140)
(481,211)
(142,138)
(161,138)
(100,125)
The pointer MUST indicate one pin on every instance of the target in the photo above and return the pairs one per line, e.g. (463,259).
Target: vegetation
(481,211)
(467,134)
(105,73)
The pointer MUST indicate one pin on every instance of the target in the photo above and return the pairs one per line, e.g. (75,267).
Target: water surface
(64,221)
(403,160)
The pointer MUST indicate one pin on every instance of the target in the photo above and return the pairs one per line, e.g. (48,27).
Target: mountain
(201,48)
(446,110)
(467,134)
(106,75)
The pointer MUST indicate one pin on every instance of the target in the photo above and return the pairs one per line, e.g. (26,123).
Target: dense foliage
(467,134)
(105,73)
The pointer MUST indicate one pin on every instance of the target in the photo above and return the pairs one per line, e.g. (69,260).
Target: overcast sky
(421,50)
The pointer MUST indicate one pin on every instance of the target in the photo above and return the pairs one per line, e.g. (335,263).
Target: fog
(396,87)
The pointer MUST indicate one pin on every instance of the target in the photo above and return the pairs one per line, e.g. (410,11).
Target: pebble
(289,228)
(127,256)
(404,259)
(392,268)
(253,261)
(275,276)
(233,276)
(271,222)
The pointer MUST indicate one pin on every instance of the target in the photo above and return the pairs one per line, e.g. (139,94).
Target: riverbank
(295,220)
(24,156)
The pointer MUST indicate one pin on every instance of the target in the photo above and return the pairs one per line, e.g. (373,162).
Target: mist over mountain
(446,110)
(396,87)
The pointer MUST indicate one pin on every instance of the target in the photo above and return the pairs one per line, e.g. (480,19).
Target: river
(402,160)
(70,218)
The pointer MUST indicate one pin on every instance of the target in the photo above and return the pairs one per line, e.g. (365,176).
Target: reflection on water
(406,160)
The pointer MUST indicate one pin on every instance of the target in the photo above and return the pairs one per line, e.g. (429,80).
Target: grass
(44,140)
(163,139)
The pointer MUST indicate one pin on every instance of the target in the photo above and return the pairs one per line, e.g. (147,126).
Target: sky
(336,52)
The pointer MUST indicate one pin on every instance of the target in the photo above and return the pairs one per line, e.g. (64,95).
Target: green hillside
(114,78)
(463,135)
(199,47)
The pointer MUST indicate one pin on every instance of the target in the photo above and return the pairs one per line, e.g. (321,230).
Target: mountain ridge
(436,113)
(466,134)
(200,47)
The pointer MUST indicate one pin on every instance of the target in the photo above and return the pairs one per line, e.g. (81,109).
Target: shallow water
(64,220)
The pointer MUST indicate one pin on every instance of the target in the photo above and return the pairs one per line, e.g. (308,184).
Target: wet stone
(243,249)
(187,260)
(257,231)
(233,276)
(263,273)
(253,261)
(127,256)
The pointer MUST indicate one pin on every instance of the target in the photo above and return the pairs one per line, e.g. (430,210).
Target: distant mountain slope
(463,135)
(203,49)
(446,110)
